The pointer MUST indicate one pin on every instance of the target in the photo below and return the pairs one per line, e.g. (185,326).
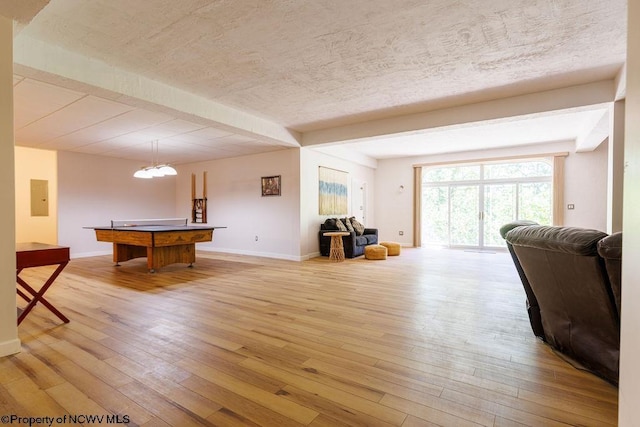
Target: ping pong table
(162,241)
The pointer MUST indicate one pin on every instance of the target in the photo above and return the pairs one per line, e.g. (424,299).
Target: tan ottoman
(393,248)
(375,252)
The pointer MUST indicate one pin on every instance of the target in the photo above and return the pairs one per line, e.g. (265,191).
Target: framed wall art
(333,186)
(271,185)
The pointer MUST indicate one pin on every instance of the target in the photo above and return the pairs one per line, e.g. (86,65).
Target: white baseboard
(250,253)
(89,254)
(10,347)
(311,255)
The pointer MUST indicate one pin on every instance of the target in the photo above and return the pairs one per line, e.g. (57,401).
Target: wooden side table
(336,251)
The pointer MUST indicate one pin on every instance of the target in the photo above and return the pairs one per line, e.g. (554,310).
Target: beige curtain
(417,206)
(558,188)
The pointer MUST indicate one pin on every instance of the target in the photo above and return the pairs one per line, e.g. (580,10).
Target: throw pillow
(330,224)
(357,226)
(341,225)
(347,223)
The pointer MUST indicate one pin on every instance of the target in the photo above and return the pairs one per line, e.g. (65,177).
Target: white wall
(629,392)
(310,219)
(586,176)
(234,200)
(93,190)
(9,342)
(36,164)
(585,186)
(394,208)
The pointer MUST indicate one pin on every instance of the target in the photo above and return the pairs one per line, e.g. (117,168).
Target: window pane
(465,225)
(499,209)
(535,202)
(517,170)
(435,215)
(451,173)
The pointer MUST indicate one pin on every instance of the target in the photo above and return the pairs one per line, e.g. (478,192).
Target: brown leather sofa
(572,286)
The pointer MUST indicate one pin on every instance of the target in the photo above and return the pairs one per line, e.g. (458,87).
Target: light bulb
(142,173)
(167,170)
(155,172)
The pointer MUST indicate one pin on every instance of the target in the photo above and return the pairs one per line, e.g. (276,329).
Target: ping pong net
(147,222)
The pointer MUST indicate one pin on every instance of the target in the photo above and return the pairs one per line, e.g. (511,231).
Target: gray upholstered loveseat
(354,243)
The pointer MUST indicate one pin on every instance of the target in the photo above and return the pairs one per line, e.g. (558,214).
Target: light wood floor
(433,337)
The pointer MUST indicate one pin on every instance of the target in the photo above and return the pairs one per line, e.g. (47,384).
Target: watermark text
(13,419)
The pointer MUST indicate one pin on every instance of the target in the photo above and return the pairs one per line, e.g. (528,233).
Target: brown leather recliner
(533,310)
(572,287)
(610,249)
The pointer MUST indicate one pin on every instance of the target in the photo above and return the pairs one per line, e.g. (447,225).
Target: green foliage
(452,173)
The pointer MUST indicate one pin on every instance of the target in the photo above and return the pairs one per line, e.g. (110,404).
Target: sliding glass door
(465,206)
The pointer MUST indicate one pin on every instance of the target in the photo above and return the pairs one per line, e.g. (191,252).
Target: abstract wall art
(333,191)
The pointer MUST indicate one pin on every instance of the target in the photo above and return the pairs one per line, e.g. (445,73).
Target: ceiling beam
(96,77)
(594,134)
(621,83)
(573,98)
(22,11)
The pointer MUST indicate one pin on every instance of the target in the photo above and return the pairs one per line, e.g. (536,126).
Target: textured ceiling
(313,65)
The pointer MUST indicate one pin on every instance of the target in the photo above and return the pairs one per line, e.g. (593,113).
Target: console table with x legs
(37,255)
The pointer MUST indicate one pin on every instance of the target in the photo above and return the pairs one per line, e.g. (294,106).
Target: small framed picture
(271,185)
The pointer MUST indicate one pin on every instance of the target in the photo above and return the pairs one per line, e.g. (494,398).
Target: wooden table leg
(38,296)
(336,251)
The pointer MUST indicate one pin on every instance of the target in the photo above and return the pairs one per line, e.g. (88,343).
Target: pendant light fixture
(155,170)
